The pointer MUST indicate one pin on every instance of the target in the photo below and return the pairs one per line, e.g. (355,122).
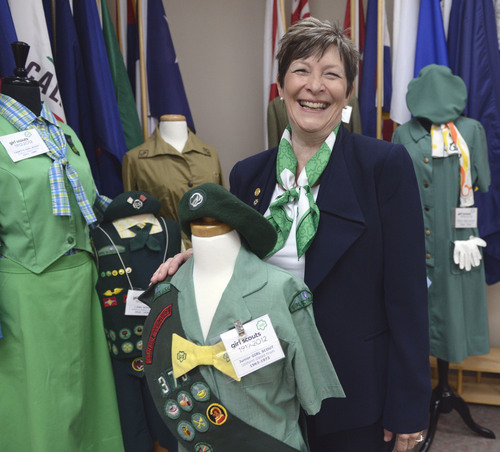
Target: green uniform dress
(457,298)
(56,384)
(270,398)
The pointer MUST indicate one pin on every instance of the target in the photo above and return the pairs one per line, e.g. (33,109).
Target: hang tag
(23,145)
(465,217)
(346,114)
(258,348)
(134,306)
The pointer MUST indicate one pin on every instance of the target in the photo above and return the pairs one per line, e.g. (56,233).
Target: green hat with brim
(131,203)
(214,201)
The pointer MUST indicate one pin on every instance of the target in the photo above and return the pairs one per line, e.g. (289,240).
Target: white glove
(466,253)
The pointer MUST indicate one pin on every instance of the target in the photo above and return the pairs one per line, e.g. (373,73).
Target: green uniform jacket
(270,398)
(457,298)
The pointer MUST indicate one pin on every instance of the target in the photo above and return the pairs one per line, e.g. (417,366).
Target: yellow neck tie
(187,356)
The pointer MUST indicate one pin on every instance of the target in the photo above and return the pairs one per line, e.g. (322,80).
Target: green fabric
(124,95)
(56,383)
(286,168)
(458,315)
(30,235)
(143,238)
(306,375)
(436,94)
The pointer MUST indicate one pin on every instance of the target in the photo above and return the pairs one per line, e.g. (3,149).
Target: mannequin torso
(174,131)
(215,248)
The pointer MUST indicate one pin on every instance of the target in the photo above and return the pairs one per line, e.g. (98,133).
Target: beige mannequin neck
(215,248)
(174,131)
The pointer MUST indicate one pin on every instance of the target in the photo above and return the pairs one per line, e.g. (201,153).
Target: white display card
(134,306)
(23,145)
(465,217)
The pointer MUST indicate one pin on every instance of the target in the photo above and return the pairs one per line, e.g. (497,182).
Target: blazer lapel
(341,219)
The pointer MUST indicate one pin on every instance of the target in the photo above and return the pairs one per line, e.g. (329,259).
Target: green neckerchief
(300,189)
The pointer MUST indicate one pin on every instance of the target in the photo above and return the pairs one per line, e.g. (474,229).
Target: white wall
(219,48)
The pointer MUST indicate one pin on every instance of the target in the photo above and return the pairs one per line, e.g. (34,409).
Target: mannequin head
(209,227)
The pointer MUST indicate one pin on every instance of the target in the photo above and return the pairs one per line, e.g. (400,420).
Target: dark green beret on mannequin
(214,201)
(131,203)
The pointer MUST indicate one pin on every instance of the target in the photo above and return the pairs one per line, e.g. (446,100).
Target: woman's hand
(170,266)
(404,441)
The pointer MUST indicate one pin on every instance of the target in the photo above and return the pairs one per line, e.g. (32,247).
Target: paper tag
(258,348)
(465,217)
(134,306)
(346,114)
(23,145)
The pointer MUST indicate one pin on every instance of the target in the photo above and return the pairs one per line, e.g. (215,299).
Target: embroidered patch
(111,301)
(127,347)
(200,391)
(138,344)
(301,300)
(115,291)
(172,409)
(164,315)
(203,447)
(109,250)
(197,199)
(138,330)
(125,333)
(185,431)
(185,401)
(160,289)
(216,414)
(138,364)
(112,335)
(199,422)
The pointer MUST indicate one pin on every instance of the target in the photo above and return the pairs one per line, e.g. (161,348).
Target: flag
(300,10)
(108,131)
(274,29)
(368,94)
(165,87)
(31,28)
(123,90)
(7,37)
(72,82)
(474,56)
(403,58)
(359,35)
(431,41)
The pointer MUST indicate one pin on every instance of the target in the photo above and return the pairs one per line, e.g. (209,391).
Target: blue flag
(108,131)
(431,40)
(474,56)
(368,88)
(165,87)
(7,36)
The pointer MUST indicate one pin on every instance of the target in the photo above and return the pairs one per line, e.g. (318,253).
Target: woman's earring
(281,99)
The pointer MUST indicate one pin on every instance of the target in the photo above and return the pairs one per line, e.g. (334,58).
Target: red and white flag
(300,10)
(359,33)
(274,29)
(31,28)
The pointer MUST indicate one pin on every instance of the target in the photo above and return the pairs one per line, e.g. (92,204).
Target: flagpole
(353,23)
(119,24)
(380,65)
(282,11)
(142,63)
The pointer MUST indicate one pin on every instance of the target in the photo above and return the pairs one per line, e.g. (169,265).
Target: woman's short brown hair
(312,36)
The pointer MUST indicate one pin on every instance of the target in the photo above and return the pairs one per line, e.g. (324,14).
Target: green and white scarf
(300,189)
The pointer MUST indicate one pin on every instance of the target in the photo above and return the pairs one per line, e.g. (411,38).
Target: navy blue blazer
(366,269)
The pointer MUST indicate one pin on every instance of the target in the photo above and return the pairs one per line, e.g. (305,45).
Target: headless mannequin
(443,398)
(20,87)
(215,248)
(174,131)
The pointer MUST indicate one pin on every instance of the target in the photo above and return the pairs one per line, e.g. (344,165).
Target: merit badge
(203,447)
(114,349)
(127,347)
(138,330)
(185,401)
(111,301)
(125,333)
(201,392)
(172,409)
(138,344)
(112,335)
(185,431)
(200,422)
(217,414)
(138,364)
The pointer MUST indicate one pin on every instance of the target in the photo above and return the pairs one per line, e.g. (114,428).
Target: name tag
(346,114)
(23,145)
(134,306)
(258,348)
(465,217)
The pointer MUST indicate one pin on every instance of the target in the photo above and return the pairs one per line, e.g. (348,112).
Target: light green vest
(29,232)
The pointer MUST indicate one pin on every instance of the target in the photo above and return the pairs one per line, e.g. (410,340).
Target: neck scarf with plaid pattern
(300,189)
(46,125)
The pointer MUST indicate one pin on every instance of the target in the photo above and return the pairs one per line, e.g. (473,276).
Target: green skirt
(56,385)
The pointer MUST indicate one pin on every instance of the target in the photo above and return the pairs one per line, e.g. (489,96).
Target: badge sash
(194,415)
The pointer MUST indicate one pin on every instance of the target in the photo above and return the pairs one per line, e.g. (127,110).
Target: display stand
(443,401)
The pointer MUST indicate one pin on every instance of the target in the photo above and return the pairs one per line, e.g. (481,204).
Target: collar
(21,117)
(122,225)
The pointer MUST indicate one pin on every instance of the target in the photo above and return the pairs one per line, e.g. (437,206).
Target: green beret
(436,94)
(131,203)
(214,201)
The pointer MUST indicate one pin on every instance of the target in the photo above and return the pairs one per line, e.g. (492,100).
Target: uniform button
(427,232)
(426,184)
(257,192)
(427,256)
(426,160)
(427,208)
(190,183)
(255,202)
(71,240)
